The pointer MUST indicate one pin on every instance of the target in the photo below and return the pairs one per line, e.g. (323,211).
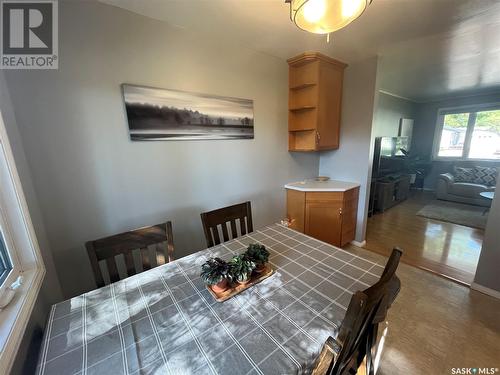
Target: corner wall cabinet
(329,216)
(314,102)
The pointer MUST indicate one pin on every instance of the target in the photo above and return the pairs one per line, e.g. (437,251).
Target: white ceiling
(428,48)
(461,61)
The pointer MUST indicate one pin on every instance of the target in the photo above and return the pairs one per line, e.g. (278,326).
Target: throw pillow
(485,175)
(464,174)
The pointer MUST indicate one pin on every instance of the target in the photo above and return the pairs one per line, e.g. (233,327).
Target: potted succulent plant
(241,268)
(215,272)
(259,255)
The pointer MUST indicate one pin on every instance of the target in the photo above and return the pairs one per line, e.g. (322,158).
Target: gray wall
(50,291)
(93,181)
(388,113)
(489,260)
(425,127)
(351,161)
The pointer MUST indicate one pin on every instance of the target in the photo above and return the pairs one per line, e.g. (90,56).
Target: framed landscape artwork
(160,114)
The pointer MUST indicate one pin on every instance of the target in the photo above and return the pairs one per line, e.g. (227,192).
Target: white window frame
(22,245)
(12,262)
(9,244)
(440,124)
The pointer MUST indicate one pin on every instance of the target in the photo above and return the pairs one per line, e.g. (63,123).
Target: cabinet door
(349,215)
(324,221)
(295,205)
(329,105)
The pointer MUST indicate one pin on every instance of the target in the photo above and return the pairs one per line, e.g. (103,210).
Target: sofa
(462,190)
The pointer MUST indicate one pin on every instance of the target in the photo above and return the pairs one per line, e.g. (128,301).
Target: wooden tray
(238,288)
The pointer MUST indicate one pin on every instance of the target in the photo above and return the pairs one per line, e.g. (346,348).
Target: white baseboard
(359,244)
(485,290)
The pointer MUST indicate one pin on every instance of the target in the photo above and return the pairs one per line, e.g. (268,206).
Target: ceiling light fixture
(325,16)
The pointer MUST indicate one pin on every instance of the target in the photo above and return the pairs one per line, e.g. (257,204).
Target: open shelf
(302,140)
(303,108)
(303,86)
(302,120)
(304,128)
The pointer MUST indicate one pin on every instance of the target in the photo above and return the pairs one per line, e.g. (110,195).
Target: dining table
(165,321)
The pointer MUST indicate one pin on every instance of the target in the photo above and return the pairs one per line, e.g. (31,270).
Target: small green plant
(257,253)
(241,267)
(215,270)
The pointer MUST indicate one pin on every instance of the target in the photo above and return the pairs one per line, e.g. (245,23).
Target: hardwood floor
(447,249)
(436,325)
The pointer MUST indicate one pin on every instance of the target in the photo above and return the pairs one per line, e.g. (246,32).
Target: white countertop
(330,185)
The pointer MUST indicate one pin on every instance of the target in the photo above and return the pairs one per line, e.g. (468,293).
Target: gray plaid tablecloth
(164,321)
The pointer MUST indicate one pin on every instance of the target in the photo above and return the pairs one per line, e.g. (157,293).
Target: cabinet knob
(318,137)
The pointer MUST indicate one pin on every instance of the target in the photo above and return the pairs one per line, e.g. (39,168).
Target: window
(5,262)
(473,134)
(19,256)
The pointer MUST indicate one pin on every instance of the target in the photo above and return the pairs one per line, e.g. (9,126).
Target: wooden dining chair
(107,249)
(355,340)
(393,284)
(221,217)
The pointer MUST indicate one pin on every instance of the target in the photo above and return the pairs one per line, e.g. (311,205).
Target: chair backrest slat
(234,231)
(249,219)
(108,248)
(112,269)
(220,217)
(146,261)
(94,263)
(225,234)
(169,256)
(129,263)
(242,226)
(160,255)
(215,232)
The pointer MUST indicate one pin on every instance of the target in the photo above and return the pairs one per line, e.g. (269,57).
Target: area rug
(458,213)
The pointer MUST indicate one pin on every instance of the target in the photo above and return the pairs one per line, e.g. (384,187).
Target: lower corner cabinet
(329,216)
